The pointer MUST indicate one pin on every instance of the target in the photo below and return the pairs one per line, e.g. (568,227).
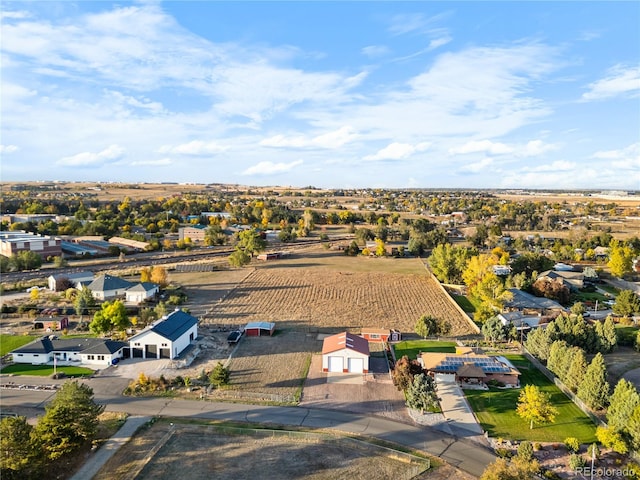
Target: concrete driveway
(131,368)
(457,411)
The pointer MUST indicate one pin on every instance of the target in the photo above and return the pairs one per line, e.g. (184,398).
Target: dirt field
(324,290)
(198,452)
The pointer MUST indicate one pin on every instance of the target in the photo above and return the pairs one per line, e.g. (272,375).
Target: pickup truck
(234,337)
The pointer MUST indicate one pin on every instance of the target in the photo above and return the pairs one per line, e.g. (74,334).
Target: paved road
(459,452)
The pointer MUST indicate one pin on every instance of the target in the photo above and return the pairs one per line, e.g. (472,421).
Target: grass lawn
(496,410)
(11,342)
(464,302)
(626,334)
(589,297)
(411,348)
(45,370)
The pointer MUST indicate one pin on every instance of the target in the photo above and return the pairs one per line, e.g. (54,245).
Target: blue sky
(330,94)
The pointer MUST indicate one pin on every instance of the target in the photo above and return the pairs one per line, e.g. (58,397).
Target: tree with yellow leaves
(535,406)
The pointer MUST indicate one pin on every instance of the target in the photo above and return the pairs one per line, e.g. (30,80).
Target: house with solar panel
(470,369)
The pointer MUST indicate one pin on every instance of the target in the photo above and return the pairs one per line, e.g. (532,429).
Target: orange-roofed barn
(345,353)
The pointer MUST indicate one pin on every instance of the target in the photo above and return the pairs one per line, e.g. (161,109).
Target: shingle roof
(345,340)
(176,324)
(80,345)
(108,282)
(73,276)
(526,300)
(142,287)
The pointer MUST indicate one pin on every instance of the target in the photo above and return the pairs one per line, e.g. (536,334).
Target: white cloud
(271,168)
(486,146)
(195,147)
(557,166)
(534,148)
(477,167)
(374,51)
(7,149)
(330,140)
(405,23)
(153,163)
(86,159)
(14,15)
(627,153)
(439,42)
(398,151)
(620,80)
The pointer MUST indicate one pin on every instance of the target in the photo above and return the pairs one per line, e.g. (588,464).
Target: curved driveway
(463,454)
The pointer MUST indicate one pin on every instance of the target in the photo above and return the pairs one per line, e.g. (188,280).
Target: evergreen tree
(559,359)
(610,337)
(421,395)
(219,375)
(493,330)
(594,389)
(622,403)
(575,374)
(20,450)
(84,302)
(633,428)
(538,343)
(71,419)
(627,303)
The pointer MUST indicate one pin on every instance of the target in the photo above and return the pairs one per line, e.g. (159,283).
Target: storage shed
(258,329)
(381,335)
(345,353)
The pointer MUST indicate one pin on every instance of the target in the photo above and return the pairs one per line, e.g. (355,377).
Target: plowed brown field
(325,296)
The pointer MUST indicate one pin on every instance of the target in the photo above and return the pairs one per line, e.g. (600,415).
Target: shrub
(572,444)
(504,452)
(537,446)
(525,450)
(576,461)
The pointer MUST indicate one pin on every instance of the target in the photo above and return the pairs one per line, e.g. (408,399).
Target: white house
(105,287)
(76,278)
(166,338)
(345,353)
(141,292)
(89,351)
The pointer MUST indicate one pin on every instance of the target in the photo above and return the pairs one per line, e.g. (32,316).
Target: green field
(45,370)
(412,348)
(11,342)
(495,410)
(464,303)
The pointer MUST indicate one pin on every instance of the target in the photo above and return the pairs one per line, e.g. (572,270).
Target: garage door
(356,365)
(151,351)
(165,353)
(335,364)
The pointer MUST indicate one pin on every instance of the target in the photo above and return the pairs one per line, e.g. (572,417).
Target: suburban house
(469,368)
(572,280)
(380,335)
(165,338)
(258,329)
(345,353)
(530,304)
(107,286)
(519,320)
(141,292)
(89,351)
(84,277)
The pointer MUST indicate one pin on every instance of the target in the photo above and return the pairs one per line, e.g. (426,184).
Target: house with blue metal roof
(70,351)
(166,338)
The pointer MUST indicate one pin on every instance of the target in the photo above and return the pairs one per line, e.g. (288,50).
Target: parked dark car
(234,337)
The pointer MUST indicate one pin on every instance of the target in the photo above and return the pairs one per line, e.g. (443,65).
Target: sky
(368,94)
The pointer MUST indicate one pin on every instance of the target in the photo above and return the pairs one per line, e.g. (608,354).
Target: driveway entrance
(456,409)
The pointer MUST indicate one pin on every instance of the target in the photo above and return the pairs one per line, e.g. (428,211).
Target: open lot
(495,409)
(169,451)
(323,290)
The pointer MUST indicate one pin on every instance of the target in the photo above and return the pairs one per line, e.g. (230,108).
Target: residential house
(106,287)
(141,292)
(469,368)
(76,278)
(89,351)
